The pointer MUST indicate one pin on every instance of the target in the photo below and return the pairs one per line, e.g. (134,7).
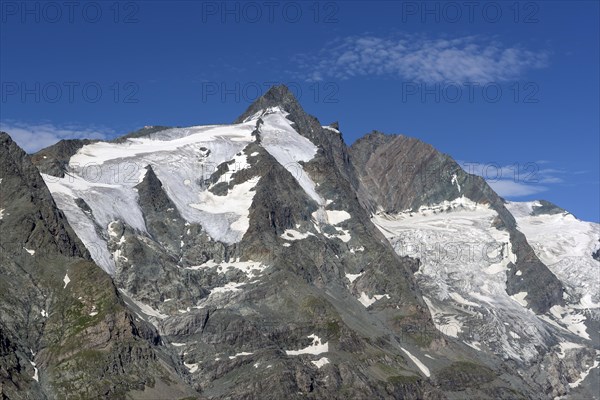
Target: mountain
(266,258)
(426,177)
(64,330)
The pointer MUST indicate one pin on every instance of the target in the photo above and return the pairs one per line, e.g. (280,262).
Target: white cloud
(508,188)
(420,59)
(34,137)
(516,180)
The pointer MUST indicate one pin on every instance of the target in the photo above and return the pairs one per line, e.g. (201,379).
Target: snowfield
(463,268)
(105,174)
(565,245)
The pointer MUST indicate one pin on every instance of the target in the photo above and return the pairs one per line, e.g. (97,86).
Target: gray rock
(398,173)
(53,160)
(64,330)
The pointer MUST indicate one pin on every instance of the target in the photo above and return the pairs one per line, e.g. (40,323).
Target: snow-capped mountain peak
(267,256)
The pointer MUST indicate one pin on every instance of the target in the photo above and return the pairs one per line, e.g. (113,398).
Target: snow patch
(292,234)
(229,287)
(191,367)
(585,373)
(330,129)
(335,217)
(417,362)
(475,345)
(227,218)
(520,298)
(31,252)
(570,319)
(315,348)
(35,376)
(368,301)
(142,174)
(459,204)
(243,353)
(238,163)
(251,269)
(454,181)
(144,308)
(321,362)
(353,277)
(66,280)
(565,346)
(342,234)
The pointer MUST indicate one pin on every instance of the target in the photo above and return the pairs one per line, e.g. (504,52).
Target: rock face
(421,199)
(545,207)
(399,173)
(53,160)
(255,260)
(33,218)
(140,133)
(64,331)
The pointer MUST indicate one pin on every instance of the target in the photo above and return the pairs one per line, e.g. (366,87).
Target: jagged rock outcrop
(53,160)
(64,331)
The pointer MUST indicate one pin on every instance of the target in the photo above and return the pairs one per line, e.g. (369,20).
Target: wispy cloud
(33,137)
(421,59)
(511,189)
(517,180)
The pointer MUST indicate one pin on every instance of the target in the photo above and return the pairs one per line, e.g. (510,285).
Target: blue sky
(509,89)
